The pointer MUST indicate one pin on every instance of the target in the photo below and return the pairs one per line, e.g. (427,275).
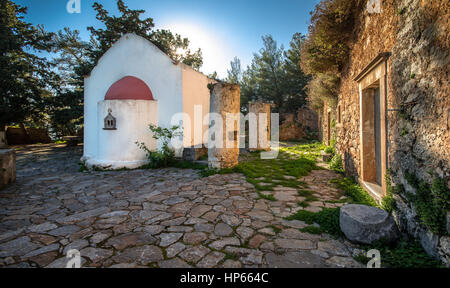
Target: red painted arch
(129,88)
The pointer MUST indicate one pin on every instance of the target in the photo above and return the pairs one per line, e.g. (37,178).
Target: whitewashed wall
(134,56)
(177,88)
(195,92)
(117,148)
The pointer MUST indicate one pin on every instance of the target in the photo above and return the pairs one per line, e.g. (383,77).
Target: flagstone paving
(156,218)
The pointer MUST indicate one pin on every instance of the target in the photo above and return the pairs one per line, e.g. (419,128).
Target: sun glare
(216,57)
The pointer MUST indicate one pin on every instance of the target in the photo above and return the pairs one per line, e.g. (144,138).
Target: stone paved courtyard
(156,218)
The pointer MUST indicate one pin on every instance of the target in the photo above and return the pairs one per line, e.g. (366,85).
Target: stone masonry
(225,104)
(7,167)
(416,34)
(157,218)
(261,110)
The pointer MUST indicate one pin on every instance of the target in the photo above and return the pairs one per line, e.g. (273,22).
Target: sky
(223,29)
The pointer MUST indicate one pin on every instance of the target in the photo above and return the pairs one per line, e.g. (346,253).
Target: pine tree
(235,73)
(275,75)
(295,80)
(25,77)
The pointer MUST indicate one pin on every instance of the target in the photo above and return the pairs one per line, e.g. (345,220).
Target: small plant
(268,197)
(231,256)
(329,150)
(431,202)
(404,132)
(165,156)
(361,258)
(336,163)
(403,254)
(354,192)
(275,229)
(303,204)
(328,220)
(305,193)
(83,167)
(312,230)
(388,202)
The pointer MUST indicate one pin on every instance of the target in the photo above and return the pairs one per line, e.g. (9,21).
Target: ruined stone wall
(223,141)
(290,129)
(302,125)
(309,120)
(16,136)
(416,32)
(261,110)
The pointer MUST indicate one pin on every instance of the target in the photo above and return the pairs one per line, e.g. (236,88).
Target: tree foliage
(76,58)
(129,21)
(326,49)
(235,73)
(25,77)
(274,75)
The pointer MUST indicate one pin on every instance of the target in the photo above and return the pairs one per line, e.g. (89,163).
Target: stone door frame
(373,76)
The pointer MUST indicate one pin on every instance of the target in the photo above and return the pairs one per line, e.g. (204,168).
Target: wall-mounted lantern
(110,121)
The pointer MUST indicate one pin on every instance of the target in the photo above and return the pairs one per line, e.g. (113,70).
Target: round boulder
(365,224)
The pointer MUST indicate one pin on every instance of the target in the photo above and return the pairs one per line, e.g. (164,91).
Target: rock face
(7,167)
(365,224)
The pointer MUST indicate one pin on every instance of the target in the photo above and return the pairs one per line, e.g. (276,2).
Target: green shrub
(431,202)
(325,52)
(165,156)
(403,254)
(329,150)
(83,167)
(336,163)
(312,230)
(388,201)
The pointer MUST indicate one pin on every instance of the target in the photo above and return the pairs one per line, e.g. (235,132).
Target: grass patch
(230,256)
(265,174)
(328,220)
(269,197)
(404,254)
(355,193)
(303,204)
(312,230)
(311,199)
(305,193)
(275,229)
(309,150)
(361,258)
(345,200)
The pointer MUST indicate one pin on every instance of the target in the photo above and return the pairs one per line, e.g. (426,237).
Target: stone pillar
(7,167)
(262,112)
(223,142)
(3,143)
